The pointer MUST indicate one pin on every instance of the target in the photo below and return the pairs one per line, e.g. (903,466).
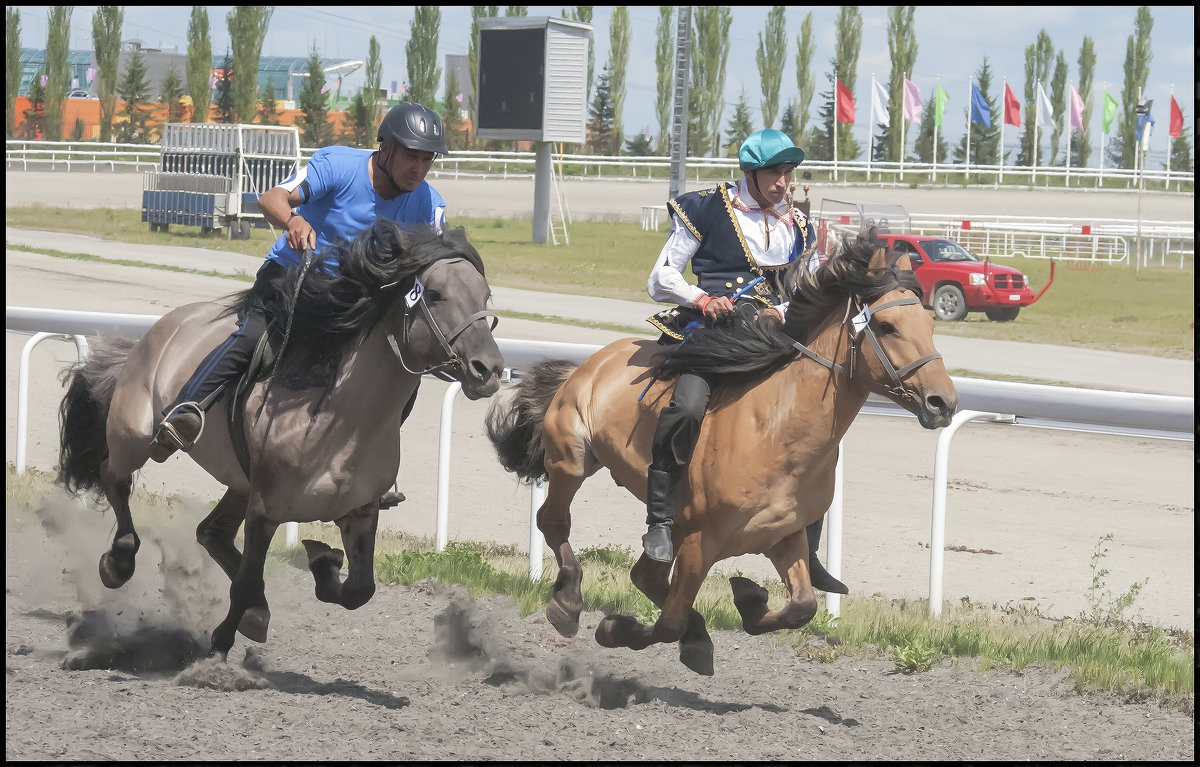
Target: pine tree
(314,122)
(740,126)
(452,113)
(600,128)
(12,74)
(224,102)
(639,146)
(34,117)
(788,124)
(268,111)
(134,90)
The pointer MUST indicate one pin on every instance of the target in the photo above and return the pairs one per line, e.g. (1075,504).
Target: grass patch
(1115,308)
(1102,652)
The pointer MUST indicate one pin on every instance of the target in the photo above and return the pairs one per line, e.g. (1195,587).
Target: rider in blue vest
(338,194)
(739,238)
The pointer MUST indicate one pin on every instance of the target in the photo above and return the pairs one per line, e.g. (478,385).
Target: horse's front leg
(675,620)
(117,564)
(248,611)
(790,557)
(695,647)
(218,530)
(358,536)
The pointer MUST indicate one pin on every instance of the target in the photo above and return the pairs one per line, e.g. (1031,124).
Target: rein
(897,375)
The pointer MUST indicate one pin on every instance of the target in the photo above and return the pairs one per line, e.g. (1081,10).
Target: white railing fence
(1018,404)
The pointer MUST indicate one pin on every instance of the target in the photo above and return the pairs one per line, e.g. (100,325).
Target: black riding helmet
(415,127)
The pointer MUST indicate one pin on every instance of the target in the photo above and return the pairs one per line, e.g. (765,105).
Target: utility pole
(679,128)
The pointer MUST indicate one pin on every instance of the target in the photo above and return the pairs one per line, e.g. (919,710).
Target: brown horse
(322,432)
(764,463)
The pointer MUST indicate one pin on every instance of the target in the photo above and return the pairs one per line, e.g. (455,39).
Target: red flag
(1012,108)
(845,103)
(1176,129)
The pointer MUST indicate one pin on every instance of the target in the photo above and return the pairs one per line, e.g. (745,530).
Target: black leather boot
(179,431)
(659,517)
(821,579)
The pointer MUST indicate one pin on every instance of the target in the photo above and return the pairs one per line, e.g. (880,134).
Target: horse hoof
(254,624)
(698,656)
(615,630)
(117,564)
(563,620)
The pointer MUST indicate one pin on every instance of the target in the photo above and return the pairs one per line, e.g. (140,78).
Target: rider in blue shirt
(339,193)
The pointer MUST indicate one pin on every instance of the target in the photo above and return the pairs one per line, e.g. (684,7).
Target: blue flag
(1143,118)
(981,112)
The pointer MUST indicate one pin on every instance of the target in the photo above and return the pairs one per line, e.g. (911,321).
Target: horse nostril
(480,370)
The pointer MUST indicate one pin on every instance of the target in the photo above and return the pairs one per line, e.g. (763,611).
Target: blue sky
(952,43)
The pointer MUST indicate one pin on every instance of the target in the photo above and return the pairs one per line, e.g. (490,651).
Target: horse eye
(887,329)
(432,295)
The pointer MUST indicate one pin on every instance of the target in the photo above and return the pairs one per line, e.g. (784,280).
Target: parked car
(79,94)
(956,282)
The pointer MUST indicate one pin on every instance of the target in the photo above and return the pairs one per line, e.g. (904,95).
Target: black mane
(744,346)
(375,268)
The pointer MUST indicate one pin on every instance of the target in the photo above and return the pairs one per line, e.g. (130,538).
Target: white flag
(879,100)
(1045,113)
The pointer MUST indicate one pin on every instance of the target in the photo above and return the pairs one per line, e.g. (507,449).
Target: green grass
(1115,308)
(1102,652)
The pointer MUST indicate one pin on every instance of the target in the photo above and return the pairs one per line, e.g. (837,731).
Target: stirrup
(168,439)
(657,542)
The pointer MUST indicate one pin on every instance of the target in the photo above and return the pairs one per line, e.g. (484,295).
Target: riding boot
(179,431)
(820,577)
(659,517)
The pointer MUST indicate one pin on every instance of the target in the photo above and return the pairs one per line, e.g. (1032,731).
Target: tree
(452,104)
(772,49)
(359,123)
(788,124)
(984,141)
(247,30)
(806,47)
(31,127)
(421,54)
(710,50)
(923,146)
(1058,98)
(600,127)
(477,12)
(199,63)
(1137,71)
(740,126)
(373,79)
(58,68)
(134,90)
(1081,146)
(12,75)
(664,59)
(314,120)
(847,35)
(618,57)
(902,47)
(170,93)
(268,110)
(1180,156)
(106,48)
(224,103)
(639,145)
(1037,70)
(583,14)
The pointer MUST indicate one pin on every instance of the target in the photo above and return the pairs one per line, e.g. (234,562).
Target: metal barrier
(1122,413)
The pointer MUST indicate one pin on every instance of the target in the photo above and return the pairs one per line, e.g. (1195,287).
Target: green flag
(1110,110)
(940,97)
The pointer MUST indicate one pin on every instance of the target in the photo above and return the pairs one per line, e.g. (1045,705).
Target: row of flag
(981,111)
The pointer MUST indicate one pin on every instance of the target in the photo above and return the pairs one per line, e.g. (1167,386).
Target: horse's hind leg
(358,536)
(554,520)
(247,598)
(218,530)
(790,557)
(117,564)
(696,646)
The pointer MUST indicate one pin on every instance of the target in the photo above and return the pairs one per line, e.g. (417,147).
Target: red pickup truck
(956,282)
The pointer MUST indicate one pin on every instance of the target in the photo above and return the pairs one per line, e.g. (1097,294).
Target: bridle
(897,389)
(415,300)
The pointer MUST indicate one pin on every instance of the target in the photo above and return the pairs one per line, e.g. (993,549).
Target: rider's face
(773,183)
(408,166)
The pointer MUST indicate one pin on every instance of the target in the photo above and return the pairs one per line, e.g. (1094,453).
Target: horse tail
(83,414)
(517,431)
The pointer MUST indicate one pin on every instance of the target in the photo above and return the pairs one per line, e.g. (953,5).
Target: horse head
(892,340)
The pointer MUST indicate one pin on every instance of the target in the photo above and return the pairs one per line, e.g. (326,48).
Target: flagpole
(903,125)
(1168,186)
(1070,130)
(1037,109)
(835,124)
(871,129)
(967,158)
(1102,133)
(935,127)
(1003,122)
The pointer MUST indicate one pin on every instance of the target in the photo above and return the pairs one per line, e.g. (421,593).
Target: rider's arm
(666,282)
(277,205)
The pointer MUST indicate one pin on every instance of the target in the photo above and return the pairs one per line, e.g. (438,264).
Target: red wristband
(703,302)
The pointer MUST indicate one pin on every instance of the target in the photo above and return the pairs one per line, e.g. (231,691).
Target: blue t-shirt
(340,202)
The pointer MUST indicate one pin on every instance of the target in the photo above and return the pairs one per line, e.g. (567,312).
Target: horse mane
(377,267)
(747,344)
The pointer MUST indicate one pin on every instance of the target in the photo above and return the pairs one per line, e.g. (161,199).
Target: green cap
(765,148)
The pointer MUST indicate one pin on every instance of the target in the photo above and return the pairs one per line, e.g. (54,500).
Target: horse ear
(879,260)
(904,263)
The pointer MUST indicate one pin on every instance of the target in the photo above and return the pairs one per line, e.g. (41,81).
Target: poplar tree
(58,68)
(421,54)
(805,81)
(1081,146)
(772,50)
(134,90)
(247,30)
(583,14)
(664,59)
(199,63)
(12,75)
(847,34)
(710,51)
(1058,100)
(618,57)
(314,120)
(373,78)
(1038,57)
(106,48)
(902,48)
(1137,72)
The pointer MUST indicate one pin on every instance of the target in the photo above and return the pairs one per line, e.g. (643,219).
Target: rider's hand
(300,234)
(773,312)
(714,307)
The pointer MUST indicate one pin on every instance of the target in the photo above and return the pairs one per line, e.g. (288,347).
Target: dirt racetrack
(427,673)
